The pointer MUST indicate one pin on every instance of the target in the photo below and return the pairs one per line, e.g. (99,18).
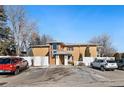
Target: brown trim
(80,45)
(39,46)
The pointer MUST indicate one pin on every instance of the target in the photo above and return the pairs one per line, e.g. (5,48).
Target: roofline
(37,46)
(81,45)
(58,42)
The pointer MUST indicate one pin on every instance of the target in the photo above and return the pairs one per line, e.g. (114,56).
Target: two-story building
(60,53)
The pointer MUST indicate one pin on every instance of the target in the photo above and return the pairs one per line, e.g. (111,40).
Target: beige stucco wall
(43,51)
(93,51)
(77,50)
(40,51)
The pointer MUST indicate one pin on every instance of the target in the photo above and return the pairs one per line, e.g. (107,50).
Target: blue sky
(78,24)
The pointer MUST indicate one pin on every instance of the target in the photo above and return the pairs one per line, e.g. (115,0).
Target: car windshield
(100,61)
(111,61)
(121,61)
(4,61)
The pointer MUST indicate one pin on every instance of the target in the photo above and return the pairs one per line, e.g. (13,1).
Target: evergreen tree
(5,34)
(117,56)
(122,55)
(80,57)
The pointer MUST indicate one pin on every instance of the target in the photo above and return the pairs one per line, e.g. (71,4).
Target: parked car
(104,64)
(12,65)
(120,64)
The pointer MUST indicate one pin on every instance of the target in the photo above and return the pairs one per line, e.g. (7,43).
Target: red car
(12,65)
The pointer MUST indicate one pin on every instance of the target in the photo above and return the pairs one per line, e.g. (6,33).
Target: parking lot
(63,76)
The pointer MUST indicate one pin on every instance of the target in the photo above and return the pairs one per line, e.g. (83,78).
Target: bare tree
(40,39)
(31,33)
(35,38)
(104,40)
(17,18)
(45,39)
(25,31)
(22,27)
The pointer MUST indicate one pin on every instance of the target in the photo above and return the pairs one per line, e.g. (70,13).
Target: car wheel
(27,66)
(122,68)
(112,69)
(118,68)
(102,68)
(16,71)
(91,66)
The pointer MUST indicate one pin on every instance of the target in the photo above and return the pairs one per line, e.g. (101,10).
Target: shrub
(80,57)
(122,55)
(87,52)
(117,56)
(81,64)
(71,62)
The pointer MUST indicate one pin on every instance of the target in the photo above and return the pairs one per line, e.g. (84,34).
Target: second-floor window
(54,47)
(70,49)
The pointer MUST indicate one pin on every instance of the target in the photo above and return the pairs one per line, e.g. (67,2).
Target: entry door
(61,57)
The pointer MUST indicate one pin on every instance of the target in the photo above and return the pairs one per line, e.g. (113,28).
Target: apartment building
(60,53)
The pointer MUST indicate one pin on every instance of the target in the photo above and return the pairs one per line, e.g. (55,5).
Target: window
(111,61)
(70,49)
(100,61)
(54,47)
(5,61)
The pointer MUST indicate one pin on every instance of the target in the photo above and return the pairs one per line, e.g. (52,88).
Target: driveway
(63,76)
